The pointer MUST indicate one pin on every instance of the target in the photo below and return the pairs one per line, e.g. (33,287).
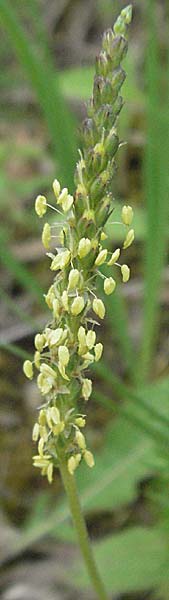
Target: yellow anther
(73,279)
(81,336)
(37,359)
(86,388)
(103,236)
(98,350)
(35,432)
(61,260)
(80,440)
(114,257)
(77,305)
(54,336)
(127,215)
(41,446)
(101,257)
(40,206)
(78,458)
(129,239)
(109,285)
(89,458)
(28,369)
(62,371)
(84,247)
(63,195)
(99,308)
(71,465)
(67,203)
(46,236)
(55,414)
(56,188)
(50,297)
(50,472)
(63,354)
(42,418)
(39,341)
(90,339)
(56,308)
(125,271)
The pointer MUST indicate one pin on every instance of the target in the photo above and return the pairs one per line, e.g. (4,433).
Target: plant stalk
(81,531)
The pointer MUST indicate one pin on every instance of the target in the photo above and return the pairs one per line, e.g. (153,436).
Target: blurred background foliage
(47,53)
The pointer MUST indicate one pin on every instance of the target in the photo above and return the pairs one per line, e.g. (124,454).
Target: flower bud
(99,308)
(109,285)
(80,440)
(125,271)
(127,215)
(129,239)
(126,14)
(114,257)
(89,458)
(84,247)
(63,354)
(118,77)
(86,389)
(102,64)
(39,341)
(40,206)
(90,339)
(73,279)
(46,236)
(98,350)
(101,257)
(77,305)
(56,188)
(28,369)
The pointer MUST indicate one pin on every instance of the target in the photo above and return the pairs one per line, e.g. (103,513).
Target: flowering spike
(67,347)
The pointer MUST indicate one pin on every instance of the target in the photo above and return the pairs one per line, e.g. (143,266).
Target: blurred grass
(60,122)
(156,189)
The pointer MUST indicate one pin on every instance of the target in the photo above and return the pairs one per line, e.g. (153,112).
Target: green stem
(81,531)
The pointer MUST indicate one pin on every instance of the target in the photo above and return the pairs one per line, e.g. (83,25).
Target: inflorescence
(68,345)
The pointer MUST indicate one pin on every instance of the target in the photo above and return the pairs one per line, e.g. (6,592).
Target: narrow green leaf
(133,560)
